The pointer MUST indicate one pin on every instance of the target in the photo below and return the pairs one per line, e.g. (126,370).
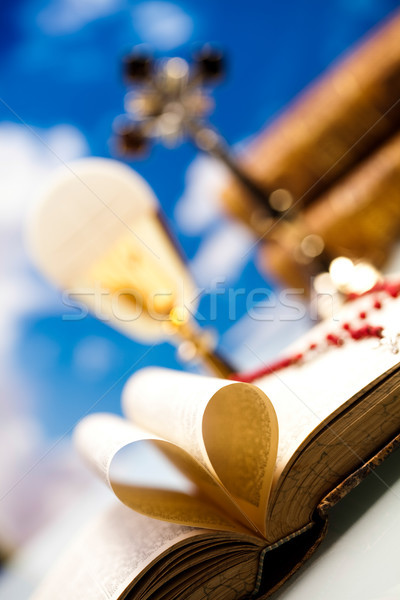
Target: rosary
(359,330)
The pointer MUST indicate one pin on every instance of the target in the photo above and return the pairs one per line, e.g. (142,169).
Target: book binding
(281,560)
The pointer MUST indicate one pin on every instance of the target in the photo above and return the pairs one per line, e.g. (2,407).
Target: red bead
(362,314)
(312,346)
(334,339)
(393,289)
(377,304)
(346,326)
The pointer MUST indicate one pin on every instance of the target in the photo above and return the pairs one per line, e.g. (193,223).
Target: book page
(230,428)
(110,554)
(101,437)
(122,555)
(306,396)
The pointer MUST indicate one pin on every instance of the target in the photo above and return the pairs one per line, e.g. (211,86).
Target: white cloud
(225,247)
(65,142)
(20,293)
(223,253)
(94,357)
(26,158)
(164,25)
(68,16)
(200,205)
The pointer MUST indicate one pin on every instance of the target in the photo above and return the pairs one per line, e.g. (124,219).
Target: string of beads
(347,331)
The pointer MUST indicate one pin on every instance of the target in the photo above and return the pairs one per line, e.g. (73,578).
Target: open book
(262,464)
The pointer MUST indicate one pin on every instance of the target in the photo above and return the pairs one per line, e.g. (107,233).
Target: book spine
(281,560)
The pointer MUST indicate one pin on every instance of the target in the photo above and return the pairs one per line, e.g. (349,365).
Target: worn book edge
(281,560)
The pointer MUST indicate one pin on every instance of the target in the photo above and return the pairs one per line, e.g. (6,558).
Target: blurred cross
(169,100)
